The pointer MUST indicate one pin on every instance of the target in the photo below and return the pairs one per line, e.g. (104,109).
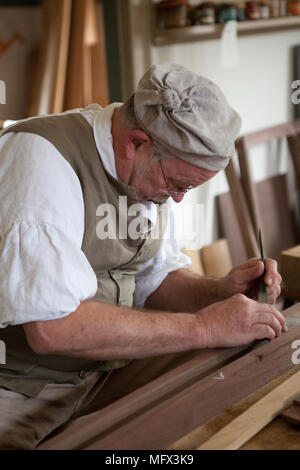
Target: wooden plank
(230,228)
(143,398)
(278,224)
(169,407)
(100,91)
(216,259)
(63,13)
(266,135)
(242,212)
(269,202)
(249,423)
(248,183)
(290,271)
(194,256)
(74,79)
(180,414)
(292,415)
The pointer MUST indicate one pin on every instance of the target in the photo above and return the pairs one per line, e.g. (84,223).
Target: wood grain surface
(167,412)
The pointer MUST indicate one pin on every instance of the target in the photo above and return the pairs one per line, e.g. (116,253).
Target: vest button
(82,374)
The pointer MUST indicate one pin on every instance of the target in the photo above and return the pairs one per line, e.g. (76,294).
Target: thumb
(252,271)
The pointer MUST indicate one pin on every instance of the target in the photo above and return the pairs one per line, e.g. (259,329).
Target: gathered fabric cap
(188,115)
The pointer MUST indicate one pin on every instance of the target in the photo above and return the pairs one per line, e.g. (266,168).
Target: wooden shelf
(204,32)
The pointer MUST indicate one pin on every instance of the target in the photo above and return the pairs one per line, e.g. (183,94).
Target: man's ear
(135,139)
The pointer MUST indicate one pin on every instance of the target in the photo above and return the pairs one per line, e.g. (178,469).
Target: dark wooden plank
(175,389)
(278,224)
(248,183)
(235,220)
(145,397)
(292,415)
(230,228)
(265,135)
(180,414)
(269,202)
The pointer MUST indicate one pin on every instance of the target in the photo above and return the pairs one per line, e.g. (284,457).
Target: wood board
(175,412)
(249,423)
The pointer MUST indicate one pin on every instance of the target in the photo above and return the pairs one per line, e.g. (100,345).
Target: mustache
(158,199)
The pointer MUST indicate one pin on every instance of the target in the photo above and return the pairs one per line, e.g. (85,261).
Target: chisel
(263,291)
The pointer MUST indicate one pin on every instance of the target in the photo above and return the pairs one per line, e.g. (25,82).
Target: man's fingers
(271,276)
(270,311)
(270,320)
(262,332)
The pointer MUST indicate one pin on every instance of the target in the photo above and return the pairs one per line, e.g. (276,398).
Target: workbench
(187,406)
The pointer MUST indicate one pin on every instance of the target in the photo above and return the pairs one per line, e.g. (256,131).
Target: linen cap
(188,115)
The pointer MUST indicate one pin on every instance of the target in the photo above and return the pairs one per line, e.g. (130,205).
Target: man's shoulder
(34,177)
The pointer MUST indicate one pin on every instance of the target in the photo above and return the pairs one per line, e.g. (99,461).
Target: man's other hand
(245,279)
(238,321)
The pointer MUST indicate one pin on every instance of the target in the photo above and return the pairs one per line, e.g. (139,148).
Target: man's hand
(245,279)
(238,321)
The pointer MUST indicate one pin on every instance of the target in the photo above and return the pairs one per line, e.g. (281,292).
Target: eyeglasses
(169,191)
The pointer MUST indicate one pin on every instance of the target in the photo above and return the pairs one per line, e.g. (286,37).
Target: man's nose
(178,197)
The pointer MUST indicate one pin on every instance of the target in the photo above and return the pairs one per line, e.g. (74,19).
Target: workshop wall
(258,86)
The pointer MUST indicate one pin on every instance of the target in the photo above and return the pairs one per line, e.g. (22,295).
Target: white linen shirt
(44,273)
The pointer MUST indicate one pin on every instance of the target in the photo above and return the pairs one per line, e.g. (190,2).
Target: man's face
(157,179)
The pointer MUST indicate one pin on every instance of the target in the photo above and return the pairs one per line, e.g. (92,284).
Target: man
(87,318)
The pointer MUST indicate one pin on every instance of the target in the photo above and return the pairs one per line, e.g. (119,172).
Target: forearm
(184,291)
(101,331)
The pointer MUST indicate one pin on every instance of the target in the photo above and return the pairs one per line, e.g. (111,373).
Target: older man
(87,318)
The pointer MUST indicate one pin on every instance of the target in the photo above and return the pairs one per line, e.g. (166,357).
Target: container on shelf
(253,10)
(205,13)
(275,8)
(240,11)
(294,7)
(283,10)
(226,12)
(171,14)
(265,9)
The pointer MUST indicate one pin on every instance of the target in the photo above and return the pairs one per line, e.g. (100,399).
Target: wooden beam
(242,211)
(249,423)
(63,13)
(180,401)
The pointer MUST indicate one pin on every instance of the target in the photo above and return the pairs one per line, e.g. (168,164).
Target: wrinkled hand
(246,277)
(238,321)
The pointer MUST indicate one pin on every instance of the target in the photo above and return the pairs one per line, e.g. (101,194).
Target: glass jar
(171,14)
(252,10)
(294,7)
(227,12)
(264,10)
(205,13)
(240,11)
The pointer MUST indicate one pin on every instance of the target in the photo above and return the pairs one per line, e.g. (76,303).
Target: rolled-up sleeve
(44,274)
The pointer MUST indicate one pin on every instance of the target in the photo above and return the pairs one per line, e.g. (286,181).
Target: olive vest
(114,260)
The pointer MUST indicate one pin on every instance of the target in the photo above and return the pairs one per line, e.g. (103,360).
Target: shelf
(204,32)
